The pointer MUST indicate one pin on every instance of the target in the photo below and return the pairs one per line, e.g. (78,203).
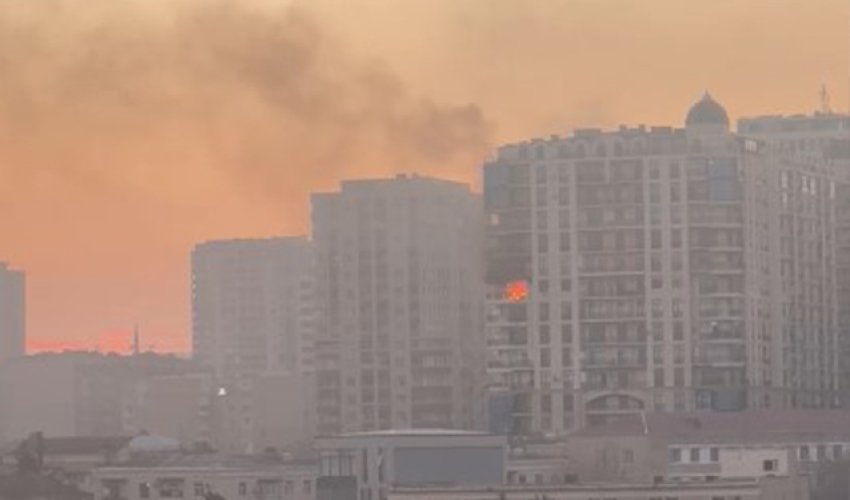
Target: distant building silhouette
(252,306)
(12,313)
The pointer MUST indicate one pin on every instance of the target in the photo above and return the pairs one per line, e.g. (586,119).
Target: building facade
(707,446)
(821,138)
(12,313)
(399,293)
(372,463)
(767,489)
(252,306)
(658,269)
(180,475)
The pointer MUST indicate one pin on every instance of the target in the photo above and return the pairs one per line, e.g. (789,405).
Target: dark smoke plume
(121,94)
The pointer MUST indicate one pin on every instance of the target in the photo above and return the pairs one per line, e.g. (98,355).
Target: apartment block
(399,293)
(658,269)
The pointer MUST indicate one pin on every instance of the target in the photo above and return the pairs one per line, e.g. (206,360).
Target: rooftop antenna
(825,108)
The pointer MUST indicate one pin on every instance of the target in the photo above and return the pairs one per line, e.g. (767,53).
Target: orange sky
(130,129)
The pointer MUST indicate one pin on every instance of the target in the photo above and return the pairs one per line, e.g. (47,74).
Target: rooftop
(188,460)
(411,433)
(73,445)
(754,425)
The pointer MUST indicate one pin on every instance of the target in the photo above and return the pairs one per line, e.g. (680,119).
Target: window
(654,193)
(675,171)
(654,173)
(289,487)
(678,330)
(544,334)
(676,238)
(656,238)
(243,489)
(715,454)
(543,311)
(770,465)
(675,193)
(307,487)
(199,489)
(804,454)
(144,490)
(170,487)
(566,334)
(675,455)
(628,456)
(694,455)
(545,358)
(542,243)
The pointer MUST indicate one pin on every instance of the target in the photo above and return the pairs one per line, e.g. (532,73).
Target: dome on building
(707,112)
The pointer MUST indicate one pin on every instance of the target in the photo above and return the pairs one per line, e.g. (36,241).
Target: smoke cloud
(121,94)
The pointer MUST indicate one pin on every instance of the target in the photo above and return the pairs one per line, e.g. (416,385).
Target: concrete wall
(615,458)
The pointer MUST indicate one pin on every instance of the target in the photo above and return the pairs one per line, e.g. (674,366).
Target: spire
(136,339)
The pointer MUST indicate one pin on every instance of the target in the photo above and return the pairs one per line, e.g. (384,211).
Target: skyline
(198,175)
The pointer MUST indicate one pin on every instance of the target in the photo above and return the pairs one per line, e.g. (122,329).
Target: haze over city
(132,130)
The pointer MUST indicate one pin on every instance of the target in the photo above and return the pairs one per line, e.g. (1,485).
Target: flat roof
(410,433)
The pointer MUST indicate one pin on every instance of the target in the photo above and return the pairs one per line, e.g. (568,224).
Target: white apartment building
(12,313)
(823,137)
(252,305)
(399,292)
(658,269)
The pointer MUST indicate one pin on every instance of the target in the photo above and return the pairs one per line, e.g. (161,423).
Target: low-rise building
(367,465)
(710,446)
(764,489)
(539,463)
(69,460)
(193,476)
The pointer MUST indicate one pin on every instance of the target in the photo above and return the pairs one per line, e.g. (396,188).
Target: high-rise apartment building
(399,292)
(825,138)
(658,269)
(252,306)
(12,313)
